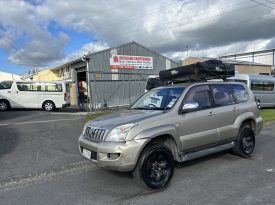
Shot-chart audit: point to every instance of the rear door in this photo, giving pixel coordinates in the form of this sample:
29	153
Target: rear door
226	110
198	128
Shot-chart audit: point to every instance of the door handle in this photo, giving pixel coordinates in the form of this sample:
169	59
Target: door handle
235	109
212	114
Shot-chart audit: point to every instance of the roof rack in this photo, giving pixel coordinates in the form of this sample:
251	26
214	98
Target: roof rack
200	71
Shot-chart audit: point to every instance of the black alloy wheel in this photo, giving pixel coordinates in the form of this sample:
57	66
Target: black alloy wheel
245	142
155	167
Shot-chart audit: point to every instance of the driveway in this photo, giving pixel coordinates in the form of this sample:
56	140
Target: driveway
40	164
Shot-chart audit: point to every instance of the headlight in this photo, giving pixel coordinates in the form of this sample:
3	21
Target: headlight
84	128
120	133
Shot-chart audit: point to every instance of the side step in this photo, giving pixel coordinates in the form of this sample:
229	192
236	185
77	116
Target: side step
205	152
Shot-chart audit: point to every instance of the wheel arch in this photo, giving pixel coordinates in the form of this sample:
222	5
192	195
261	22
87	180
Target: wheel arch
166	139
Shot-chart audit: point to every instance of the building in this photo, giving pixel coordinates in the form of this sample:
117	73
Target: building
111	77
263	56
9	76
240	66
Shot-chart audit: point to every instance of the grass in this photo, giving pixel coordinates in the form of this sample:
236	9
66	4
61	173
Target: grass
96	115
268	114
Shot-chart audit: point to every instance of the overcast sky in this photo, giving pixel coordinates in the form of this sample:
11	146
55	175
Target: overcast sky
45	33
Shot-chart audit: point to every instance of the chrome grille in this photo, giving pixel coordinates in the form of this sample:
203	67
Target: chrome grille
95	134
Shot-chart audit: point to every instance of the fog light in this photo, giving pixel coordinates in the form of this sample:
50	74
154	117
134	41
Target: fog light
113	155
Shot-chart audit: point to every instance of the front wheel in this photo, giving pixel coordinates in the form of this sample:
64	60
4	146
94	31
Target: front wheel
48	106
155	167
245	141
4	105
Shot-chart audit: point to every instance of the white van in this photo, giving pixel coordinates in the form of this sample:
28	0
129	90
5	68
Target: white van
31	94
262	87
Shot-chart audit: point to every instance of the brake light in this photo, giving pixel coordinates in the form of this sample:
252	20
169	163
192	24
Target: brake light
65	96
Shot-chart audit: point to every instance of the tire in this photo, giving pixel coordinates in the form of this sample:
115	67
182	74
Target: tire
48	106
245	142
155	167
4	105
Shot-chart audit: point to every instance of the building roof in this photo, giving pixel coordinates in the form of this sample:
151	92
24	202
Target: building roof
109	49
9	75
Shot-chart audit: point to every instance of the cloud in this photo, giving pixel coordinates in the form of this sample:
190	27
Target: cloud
209	28
25	36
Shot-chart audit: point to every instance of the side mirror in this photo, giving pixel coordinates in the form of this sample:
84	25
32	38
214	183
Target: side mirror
188	107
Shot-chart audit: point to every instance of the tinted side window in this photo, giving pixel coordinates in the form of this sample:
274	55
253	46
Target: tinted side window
262	85
240	93
222	95
199	94
5	85
46	87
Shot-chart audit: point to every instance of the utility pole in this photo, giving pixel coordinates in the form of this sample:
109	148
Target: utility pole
187	49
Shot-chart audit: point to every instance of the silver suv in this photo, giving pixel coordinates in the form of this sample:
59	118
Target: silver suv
173	123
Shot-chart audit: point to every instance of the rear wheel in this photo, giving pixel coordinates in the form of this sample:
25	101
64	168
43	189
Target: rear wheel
48	106
4	105
155	167
245	142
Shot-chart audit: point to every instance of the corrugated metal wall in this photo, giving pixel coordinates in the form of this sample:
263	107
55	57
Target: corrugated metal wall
120	87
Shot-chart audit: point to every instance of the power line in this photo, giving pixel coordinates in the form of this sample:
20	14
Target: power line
270	1
262	4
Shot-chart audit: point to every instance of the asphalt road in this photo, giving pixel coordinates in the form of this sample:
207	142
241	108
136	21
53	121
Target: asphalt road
40	164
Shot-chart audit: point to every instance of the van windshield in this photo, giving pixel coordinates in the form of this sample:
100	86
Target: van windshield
159	99
5	85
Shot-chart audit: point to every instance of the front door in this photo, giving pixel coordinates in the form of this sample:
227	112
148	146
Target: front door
198	128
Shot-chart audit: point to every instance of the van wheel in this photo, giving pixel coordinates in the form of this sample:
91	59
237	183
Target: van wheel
245	141
155	167
48	105
4	105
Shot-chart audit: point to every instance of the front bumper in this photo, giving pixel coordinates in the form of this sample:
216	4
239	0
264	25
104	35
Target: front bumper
127	152
259	125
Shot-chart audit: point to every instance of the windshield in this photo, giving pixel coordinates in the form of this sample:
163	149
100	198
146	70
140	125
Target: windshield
159	99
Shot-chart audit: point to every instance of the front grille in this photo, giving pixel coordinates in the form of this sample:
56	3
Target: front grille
95	134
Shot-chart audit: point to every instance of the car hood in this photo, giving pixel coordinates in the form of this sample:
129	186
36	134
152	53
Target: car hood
123	117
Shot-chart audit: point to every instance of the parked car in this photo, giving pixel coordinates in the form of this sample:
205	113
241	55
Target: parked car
171	123
34	94
262	87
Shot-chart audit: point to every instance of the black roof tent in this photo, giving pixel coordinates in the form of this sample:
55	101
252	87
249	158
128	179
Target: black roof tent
200	71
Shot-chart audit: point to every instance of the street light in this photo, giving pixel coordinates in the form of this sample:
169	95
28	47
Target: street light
86	59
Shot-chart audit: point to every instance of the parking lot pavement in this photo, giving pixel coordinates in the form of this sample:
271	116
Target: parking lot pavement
35	141
62	177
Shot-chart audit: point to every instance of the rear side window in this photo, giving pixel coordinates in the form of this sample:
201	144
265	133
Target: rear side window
42	87
5	85
240	93
262	85
222	95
